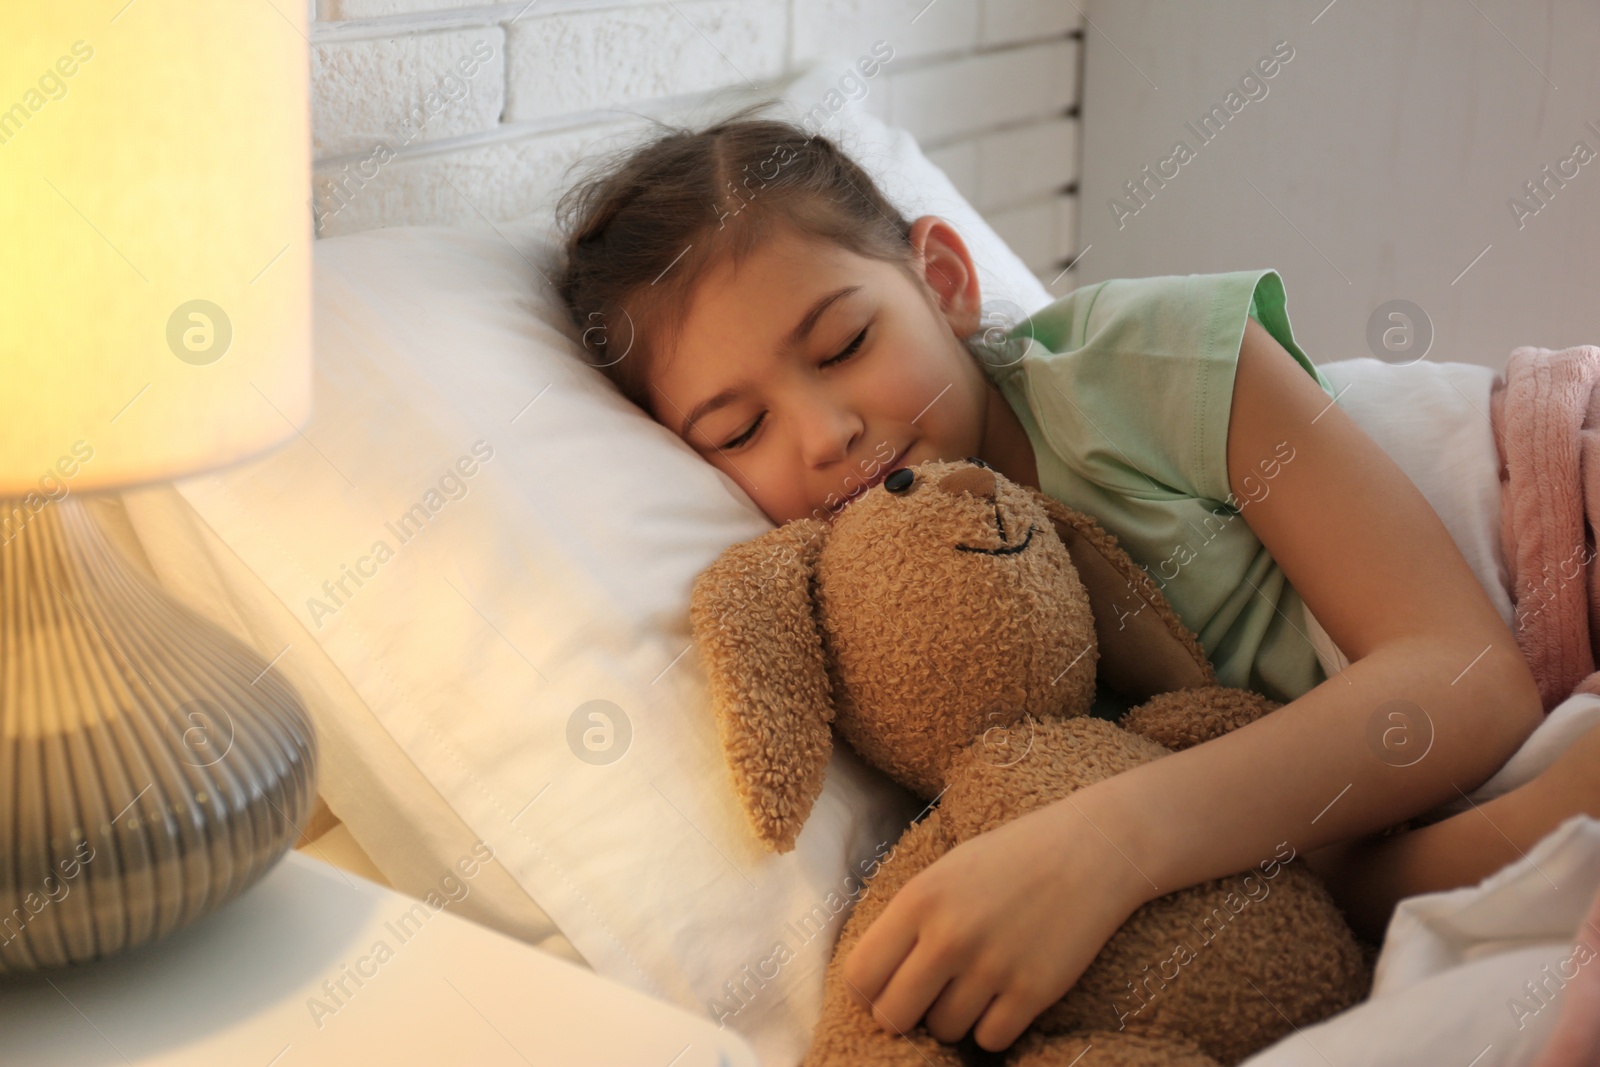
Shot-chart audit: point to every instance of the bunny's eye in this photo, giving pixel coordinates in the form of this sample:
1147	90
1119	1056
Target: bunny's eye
899	480
979	462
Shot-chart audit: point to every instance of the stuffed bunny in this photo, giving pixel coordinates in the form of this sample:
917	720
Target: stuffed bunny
940	610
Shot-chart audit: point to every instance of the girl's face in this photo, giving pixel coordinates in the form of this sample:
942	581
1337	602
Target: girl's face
813	372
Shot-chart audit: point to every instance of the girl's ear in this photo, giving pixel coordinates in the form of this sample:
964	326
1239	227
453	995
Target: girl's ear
755	624
949	271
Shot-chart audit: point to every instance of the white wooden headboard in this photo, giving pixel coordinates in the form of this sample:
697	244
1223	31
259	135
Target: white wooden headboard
441	111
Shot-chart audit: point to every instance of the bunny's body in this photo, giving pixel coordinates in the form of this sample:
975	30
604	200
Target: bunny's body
950	625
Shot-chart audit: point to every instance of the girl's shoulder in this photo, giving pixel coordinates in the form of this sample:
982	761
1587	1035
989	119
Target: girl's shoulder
1171	312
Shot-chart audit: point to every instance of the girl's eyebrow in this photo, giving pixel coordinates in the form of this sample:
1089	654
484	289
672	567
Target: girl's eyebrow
795	339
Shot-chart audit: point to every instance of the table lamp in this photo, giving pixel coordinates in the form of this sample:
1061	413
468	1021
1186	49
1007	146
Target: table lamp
155	253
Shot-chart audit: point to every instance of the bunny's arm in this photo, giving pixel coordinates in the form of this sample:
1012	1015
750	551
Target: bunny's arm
1186	717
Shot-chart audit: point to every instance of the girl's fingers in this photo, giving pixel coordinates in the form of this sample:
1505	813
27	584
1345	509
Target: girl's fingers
958	1007
909	992
1010	1014
880	952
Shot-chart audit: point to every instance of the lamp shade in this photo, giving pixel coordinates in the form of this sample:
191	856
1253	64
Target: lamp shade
155	239
155	246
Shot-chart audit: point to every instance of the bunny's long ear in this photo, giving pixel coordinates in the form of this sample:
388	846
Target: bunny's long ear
755	624
1145	649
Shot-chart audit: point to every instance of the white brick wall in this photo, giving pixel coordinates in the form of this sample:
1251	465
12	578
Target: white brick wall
470	113
585	60
406	90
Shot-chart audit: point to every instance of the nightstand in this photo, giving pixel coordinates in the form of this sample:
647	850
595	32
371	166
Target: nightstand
315	965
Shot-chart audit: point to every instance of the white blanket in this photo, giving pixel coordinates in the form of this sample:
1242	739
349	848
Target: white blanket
1473	977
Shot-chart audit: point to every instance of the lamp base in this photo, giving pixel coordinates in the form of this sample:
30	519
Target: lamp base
152	766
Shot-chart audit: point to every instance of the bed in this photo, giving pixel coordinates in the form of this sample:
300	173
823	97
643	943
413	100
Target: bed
474	565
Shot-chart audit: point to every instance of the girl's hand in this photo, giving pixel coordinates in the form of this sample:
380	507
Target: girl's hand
1000	927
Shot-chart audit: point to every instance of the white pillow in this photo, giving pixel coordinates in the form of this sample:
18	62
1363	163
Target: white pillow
555	533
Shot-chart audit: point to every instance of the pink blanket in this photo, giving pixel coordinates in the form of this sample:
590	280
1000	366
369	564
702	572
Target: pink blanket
1545	411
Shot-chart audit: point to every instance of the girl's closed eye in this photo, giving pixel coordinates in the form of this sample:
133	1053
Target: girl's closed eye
850	350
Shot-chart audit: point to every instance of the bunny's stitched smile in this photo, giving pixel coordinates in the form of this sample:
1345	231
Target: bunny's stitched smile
1004	549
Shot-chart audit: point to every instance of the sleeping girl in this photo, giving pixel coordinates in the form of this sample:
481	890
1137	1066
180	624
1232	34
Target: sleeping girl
750	288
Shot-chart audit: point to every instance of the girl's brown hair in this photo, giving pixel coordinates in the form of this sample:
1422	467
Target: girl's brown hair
648	222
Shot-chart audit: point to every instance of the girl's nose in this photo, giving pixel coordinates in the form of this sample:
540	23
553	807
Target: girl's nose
828	432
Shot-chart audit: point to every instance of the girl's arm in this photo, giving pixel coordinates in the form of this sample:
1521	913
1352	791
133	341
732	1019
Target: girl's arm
1015	915
1368	876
